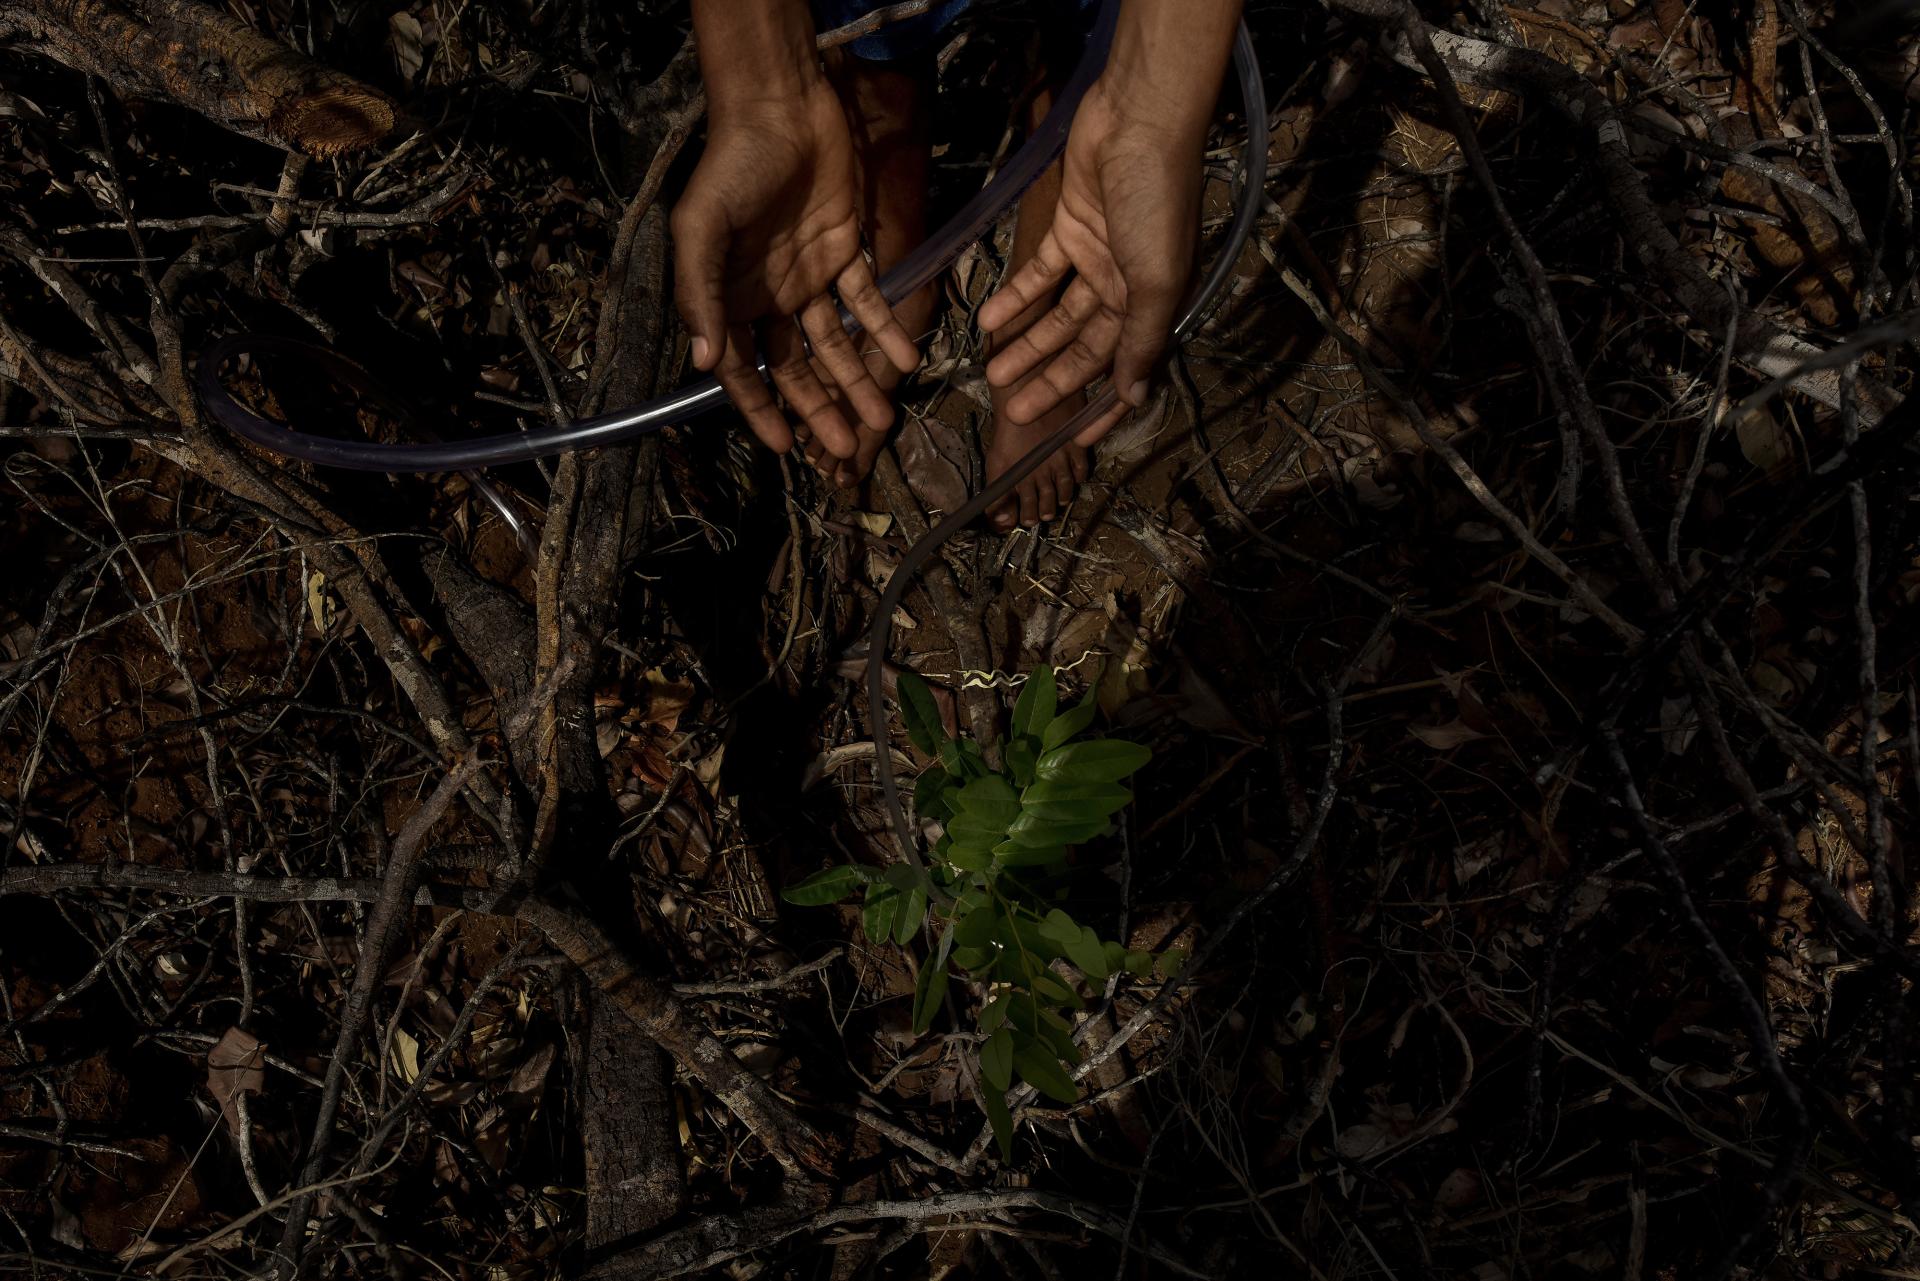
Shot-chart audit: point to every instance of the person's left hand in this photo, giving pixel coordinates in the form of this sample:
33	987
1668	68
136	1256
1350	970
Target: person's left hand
1125	227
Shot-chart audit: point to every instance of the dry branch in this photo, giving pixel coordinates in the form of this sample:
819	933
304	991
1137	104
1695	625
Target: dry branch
197	57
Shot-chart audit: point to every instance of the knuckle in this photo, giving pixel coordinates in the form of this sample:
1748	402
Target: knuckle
859	292
1082	354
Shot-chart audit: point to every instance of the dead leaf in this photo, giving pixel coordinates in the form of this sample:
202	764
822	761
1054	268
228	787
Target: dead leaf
236	1065
319	603
406	1056
1471	860
529	1079
1442	737
930	451
1373	665
490	1138
1677	724
408	40
1457	1191
1763	441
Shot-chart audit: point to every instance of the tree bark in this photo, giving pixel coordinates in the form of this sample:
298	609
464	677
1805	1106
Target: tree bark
193	55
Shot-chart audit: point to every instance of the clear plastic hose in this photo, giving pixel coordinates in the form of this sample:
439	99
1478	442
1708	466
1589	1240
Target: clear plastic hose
922	265
915	270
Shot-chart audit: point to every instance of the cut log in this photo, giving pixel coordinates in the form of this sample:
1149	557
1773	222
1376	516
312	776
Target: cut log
198	57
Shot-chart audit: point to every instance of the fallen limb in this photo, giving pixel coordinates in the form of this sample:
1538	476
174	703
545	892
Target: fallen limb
196	56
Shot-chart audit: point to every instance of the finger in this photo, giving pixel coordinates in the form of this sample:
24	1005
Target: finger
833	469
869	306
834	352
1077	461
1084	359
1038	279
793	375
749	393
1045	336
1151	303
852	473
1029	507
860	466
810	449
699	275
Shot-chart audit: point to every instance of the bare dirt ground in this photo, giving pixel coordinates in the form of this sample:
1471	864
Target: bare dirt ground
1515	581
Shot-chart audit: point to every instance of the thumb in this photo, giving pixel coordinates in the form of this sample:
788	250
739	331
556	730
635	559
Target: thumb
700	238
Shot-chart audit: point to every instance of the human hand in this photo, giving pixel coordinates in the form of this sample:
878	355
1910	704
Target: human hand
1125	227
766	228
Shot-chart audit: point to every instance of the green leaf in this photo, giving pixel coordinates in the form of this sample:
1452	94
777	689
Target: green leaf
881	912
994	1017
962	760
1021	759
945	949
1033	711
1030	940
1102	760
977	928
1043	1072
911	916
1139	964
1048	987
1170	961
1012	855
1068	723
929	795
978	830
928	994
971	858
1086	953
920	713
972	958
1116	956
826	887
1038	833
1059	928
995	1107
1081	801
991	797
1054	1030
904	877
996	1060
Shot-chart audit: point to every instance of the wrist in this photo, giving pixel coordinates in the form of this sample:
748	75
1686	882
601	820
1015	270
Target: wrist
1167	62
1138	112
755	53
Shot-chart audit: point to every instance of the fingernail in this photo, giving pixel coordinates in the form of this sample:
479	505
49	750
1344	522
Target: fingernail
699	350
1137	394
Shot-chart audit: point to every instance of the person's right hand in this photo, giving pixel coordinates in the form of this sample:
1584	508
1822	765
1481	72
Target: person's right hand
765	229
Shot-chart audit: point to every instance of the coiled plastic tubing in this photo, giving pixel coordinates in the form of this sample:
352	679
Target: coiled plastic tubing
973	221
919	267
